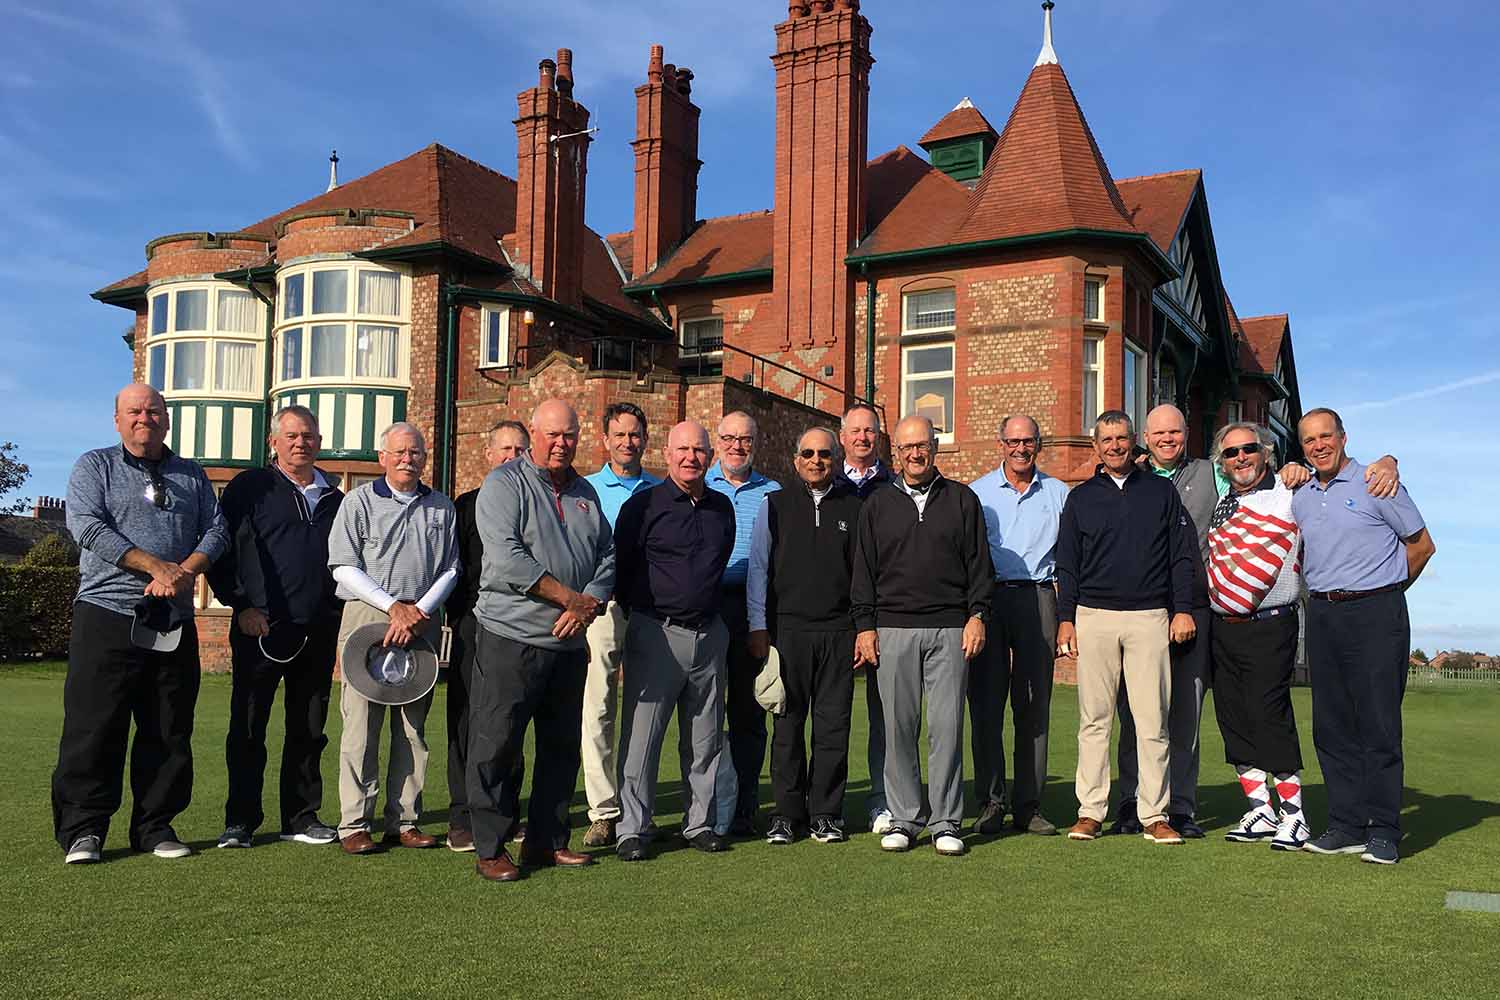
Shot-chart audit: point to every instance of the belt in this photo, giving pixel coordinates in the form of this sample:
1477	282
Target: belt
1023	583
1259	616
1354	595
698	624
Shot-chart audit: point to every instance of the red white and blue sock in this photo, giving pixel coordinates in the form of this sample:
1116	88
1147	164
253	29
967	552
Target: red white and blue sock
1289	791
1253	781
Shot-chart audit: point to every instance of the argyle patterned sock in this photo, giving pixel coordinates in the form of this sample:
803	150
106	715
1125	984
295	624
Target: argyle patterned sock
1253	781
1289	790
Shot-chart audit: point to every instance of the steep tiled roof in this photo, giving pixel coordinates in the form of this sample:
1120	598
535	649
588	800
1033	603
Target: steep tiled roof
912	204
963	121
1157	203
1046	172
136	280
728	244
601	280
1262	343
623	244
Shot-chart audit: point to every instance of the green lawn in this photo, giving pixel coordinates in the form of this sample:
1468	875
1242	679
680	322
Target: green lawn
1020	916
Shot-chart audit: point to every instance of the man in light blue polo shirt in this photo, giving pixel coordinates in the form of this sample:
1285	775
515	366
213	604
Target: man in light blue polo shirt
1022	505
734	476
1359	554
625	439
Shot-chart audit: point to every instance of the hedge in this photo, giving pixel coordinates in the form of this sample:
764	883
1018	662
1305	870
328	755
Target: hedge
36	610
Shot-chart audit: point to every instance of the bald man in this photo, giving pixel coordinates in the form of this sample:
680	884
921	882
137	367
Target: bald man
147	525
674	541
549	566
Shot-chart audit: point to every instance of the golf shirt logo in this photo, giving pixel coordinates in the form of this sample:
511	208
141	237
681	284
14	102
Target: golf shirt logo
843	525
583	505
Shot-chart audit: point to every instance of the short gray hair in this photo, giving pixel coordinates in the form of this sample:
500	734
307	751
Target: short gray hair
1262	434
401	426
295	410
1114	417
838	450
1036	428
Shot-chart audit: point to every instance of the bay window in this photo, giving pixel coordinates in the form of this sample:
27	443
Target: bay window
207	339
360	323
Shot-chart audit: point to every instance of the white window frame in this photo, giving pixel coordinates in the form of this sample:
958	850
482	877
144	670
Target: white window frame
501	357
211	336
1135	363
351	319
1234	412
682	333
950	375
1098	281
1092	373
952	323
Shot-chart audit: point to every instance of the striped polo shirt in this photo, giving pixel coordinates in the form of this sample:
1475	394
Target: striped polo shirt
746	499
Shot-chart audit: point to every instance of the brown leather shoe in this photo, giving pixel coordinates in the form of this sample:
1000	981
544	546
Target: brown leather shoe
1161	832
412	837
560	858
601	833
459	840
1085	829
499	869
359	843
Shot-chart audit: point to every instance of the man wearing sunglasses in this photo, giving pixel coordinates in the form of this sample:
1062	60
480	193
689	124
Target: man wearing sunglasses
275	579
734	475
798	595
920	593
1022	505
147	524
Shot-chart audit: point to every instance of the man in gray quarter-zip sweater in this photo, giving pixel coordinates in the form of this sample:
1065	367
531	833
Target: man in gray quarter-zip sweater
549	568
148	524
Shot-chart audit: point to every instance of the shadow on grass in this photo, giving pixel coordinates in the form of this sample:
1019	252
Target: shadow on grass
1427	819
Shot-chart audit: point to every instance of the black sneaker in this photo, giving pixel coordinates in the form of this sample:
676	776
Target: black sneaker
235	835
826	830
631	849
1336	842
1380	851
85	851
313	833
1126	821
781	831
1183	824
709	842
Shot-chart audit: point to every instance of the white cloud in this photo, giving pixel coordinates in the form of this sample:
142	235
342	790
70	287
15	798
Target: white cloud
1442	389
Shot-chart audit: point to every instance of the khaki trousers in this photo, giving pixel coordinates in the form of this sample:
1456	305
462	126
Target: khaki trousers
606	639
359	748
1134	645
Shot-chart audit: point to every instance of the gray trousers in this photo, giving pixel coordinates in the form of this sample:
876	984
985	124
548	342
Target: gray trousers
1190	677
875	743
914	662
667	669
1016	665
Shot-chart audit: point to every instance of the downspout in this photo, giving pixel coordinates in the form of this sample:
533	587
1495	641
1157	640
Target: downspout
270	350
864	270
666	317
445	421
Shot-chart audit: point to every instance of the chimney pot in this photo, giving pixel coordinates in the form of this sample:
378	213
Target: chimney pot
798	8
684	81
546	74
653	68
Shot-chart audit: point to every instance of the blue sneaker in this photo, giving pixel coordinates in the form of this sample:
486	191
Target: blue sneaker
1380	851
1335	842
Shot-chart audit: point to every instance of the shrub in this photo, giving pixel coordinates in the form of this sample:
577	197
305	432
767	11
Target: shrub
36	610
54	549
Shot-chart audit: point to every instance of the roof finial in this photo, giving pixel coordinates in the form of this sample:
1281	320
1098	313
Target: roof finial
333	171
1048	55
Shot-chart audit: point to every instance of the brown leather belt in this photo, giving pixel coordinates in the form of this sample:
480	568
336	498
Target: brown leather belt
1353	595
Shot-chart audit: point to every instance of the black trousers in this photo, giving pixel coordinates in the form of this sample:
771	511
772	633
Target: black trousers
817	670
1357	653
1016	665
512	684
1253	663
746	719
109	683
461	653
309	678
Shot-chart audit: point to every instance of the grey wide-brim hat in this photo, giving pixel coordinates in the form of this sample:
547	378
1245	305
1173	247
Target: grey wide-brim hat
388	675
769	690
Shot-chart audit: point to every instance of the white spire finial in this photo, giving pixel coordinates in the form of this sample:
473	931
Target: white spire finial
1048	55
965	103
333	171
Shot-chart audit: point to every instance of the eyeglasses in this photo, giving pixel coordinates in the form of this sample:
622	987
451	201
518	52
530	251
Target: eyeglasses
408	453
1014	443
820	452
157	492
743	440
1253	448
917	447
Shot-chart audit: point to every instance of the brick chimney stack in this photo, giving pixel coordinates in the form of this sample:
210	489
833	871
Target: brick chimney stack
50	509
551	170
666	162
822	65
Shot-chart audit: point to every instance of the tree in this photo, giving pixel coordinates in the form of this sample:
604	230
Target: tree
1418	655
12	474
53	549
1460	660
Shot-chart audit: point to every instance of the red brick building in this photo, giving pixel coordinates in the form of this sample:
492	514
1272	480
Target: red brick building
1006	271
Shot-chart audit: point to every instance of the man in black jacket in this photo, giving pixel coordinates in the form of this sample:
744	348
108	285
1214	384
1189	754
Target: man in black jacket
920	592
801	551
506	440
286	621
1126	559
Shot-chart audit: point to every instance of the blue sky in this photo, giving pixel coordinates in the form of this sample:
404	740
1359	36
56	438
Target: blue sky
1349	153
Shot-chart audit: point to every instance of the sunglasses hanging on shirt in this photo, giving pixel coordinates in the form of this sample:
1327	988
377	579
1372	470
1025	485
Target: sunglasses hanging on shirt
157	492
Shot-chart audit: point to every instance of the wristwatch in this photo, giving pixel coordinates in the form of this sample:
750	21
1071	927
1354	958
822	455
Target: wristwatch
982	615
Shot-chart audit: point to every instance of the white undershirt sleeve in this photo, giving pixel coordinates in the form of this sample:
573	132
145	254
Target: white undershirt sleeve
438	592
365	588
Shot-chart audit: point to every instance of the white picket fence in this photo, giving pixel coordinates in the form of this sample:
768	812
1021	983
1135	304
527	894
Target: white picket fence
1424	676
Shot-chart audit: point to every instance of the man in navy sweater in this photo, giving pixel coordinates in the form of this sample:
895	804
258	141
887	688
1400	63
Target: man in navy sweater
286	619
1125	570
